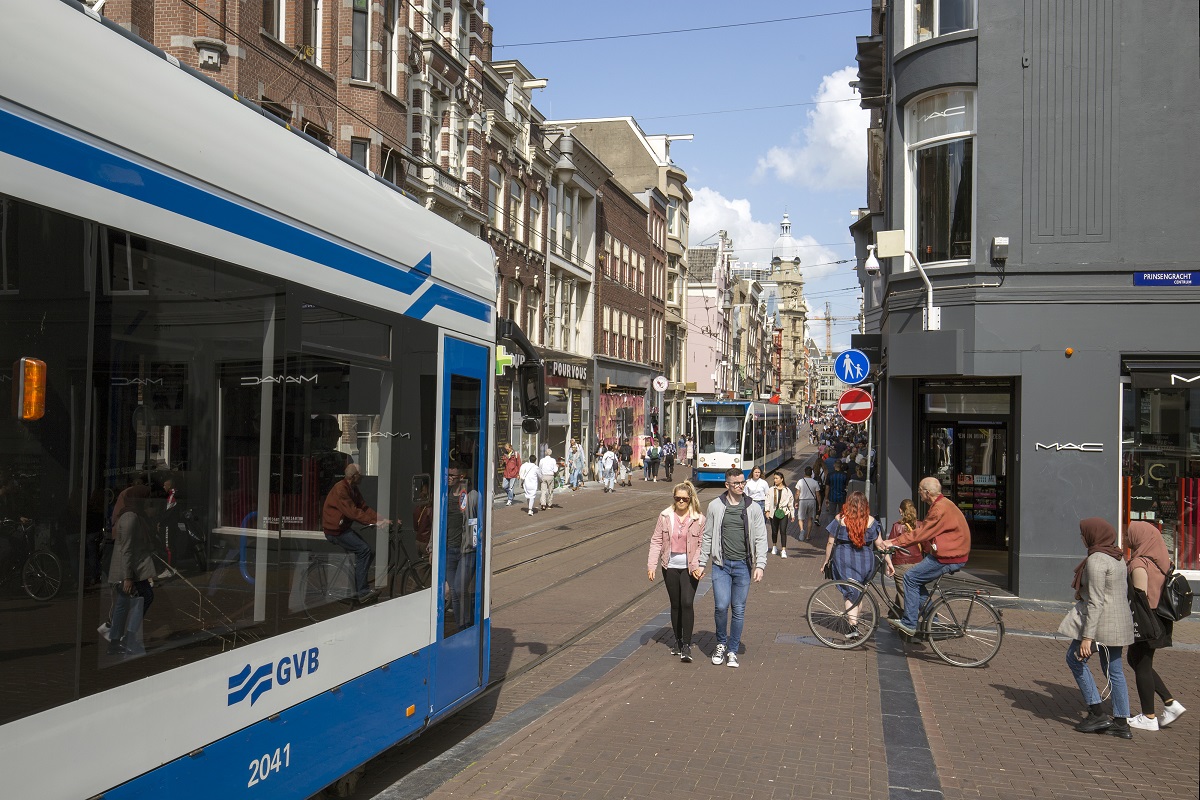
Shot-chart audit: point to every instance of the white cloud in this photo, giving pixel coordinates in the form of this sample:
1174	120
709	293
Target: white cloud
710	211
831	151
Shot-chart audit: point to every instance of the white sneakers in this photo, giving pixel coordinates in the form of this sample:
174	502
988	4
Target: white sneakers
718	655
783	552
731	660
1144	723
1170	714
774	551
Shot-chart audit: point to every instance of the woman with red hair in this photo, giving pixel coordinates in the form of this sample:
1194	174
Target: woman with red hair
852	534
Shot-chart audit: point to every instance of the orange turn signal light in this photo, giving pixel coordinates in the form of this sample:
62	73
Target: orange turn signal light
29	389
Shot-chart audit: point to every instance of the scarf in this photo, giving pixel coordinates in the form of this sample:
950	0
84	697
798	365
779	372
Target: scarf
1149	551
1100	537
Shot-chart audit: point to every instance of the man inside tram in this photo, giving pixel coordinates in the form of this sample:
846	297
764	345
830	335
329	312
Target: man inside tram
345	506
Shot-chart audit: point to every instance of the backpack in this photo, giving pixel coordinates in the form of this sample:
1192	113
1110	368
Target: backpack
1176	600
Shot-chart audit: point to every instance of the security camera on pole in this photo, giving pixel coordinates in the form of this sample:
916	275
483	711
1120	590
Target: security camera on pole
857	405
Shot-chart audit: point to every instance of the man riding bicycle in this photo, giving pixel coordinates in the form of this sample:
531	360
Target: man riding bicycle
946	529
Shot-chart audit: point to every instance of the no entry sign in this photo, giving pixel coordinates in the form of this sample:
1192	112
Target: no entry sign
855	406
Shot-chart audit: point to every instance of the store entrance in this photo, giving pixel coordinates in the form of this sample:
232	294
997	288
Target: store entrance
970	458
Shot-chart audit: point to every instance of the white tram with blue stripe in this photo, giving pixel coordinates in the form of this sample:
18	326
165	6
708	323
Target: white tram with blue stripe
226	313
741	434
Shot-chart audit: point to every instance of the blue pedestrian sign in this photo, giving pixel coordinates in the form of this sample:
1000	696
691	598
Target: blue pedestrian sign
851	367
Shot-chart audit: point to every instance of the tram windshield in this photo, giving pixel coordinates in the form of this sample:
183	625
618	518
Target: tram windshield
720	434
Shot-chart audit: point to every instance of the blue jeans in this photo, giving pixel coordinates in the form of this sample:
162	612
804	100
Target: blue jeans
460	576
915	594
731	587
509	485
576	476
1110	662
122	605
364	557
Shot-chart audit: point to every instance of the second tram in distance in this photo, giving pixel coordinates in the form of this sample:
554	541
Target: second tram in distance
741	434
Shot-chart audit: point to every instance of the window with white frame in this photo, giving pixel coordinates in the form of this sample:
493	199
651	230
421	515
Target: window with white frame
514	300
554	194
360	38
495	190
673	217
272	12
516	198
931	18
391	43
568	222
941	150
531	324
605	345
310	31
535	221
360	150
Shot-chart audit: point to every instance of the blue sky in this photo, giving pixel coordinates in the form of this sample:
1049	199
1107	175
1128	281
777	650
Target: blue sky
745	167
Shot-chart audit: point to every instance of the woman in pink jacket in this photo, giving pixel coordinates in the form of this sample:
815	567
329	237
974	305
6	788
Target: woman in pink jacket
675	546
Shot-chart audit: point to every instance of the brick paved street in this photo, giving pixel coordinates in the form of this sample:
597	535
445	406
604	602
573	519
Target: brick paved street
800	720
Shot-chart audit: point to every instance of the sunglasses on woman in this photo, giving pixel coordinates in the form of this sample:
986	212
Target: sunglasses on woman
682	499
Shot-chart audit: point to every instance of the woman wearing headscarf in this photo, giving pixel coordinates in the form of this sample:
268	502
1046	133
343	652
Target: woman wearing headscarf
1100	621
675	546
1148	566
850	547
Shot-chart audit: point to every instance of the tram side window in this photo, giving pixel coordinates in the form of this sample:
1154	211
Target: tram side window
44	308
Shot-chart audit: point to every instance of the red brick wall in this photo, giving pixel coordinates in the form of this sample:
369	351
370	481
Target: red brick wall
624	218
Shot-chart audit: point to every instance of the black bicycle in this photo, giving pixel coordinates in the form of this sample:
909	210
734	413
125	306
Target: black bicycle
40	569
329	583
962	627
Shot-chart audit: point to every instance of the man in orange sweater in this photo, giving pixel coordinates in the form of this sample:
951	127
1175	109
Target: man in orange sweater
945	528
344	506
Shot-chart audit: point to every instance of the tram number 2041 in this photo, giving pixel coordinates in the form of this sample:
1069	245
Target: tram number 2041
261	768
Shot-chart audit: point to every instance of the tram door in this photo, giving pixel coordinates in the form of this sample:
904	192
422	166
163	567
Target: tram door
459	665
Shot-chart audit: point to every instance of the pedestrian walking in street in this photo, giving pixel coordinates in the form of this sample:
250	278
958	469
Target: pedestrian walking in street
852	534
575	461
510	462
838	481
668	459
901	561
675	546
735	536
1148	566
808	494
1100	621
681	450
549	469
531	479
608	470
756	490
625	452
781	510
653	456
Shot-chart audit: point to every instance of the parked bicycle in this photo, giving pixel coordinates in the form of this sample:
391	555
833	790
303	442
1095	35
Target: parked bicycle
329	577
40	569
960	624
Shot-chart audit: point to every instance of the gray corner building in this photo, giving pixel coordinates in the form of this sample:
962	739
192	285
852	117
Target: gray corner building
1037	158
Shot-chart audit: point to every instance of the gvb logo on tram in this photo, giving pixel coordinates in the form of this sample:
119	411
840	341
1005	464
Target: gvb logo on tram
254	682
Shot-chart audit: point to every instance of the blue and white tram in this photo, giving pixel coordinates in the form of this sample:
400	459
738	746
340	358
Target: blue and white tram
211	317
740	434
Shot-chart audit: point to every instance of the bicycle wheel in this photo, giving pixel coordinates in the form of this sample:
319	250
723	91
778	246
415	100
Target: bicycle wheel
326	587
416	577
964	631
42	575
834	624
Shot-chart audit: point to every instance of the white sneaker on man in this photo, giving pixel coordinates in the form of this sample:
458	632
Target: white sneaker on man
1170	714
731	660
718	655
1144	723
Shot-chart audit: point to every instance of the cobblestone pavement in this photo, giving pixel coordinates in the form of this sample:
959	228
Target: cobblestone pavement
617	717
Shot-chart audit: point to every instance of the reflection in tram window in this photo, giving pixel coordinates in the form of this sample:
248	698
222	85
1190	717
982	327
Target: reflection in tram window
464	523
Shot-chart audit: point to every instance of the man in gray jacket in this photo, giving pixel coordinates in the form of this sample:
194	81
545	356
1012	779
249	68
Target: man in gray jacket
735	534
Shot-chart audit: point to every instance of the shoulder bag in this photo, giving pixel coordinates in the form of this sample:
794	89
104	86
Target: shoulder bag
1147	627
1176	600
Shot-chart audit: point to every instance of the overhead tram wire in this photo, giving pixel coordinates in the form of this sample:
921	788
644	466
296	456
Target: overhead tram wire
682	30
764	108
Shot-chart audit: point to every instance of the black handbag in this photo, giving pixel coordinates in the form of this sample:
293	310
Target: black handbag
1147	627
1176	600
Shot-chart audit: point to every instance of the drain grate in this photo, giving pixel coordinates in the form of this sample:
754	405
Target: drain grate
795	638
